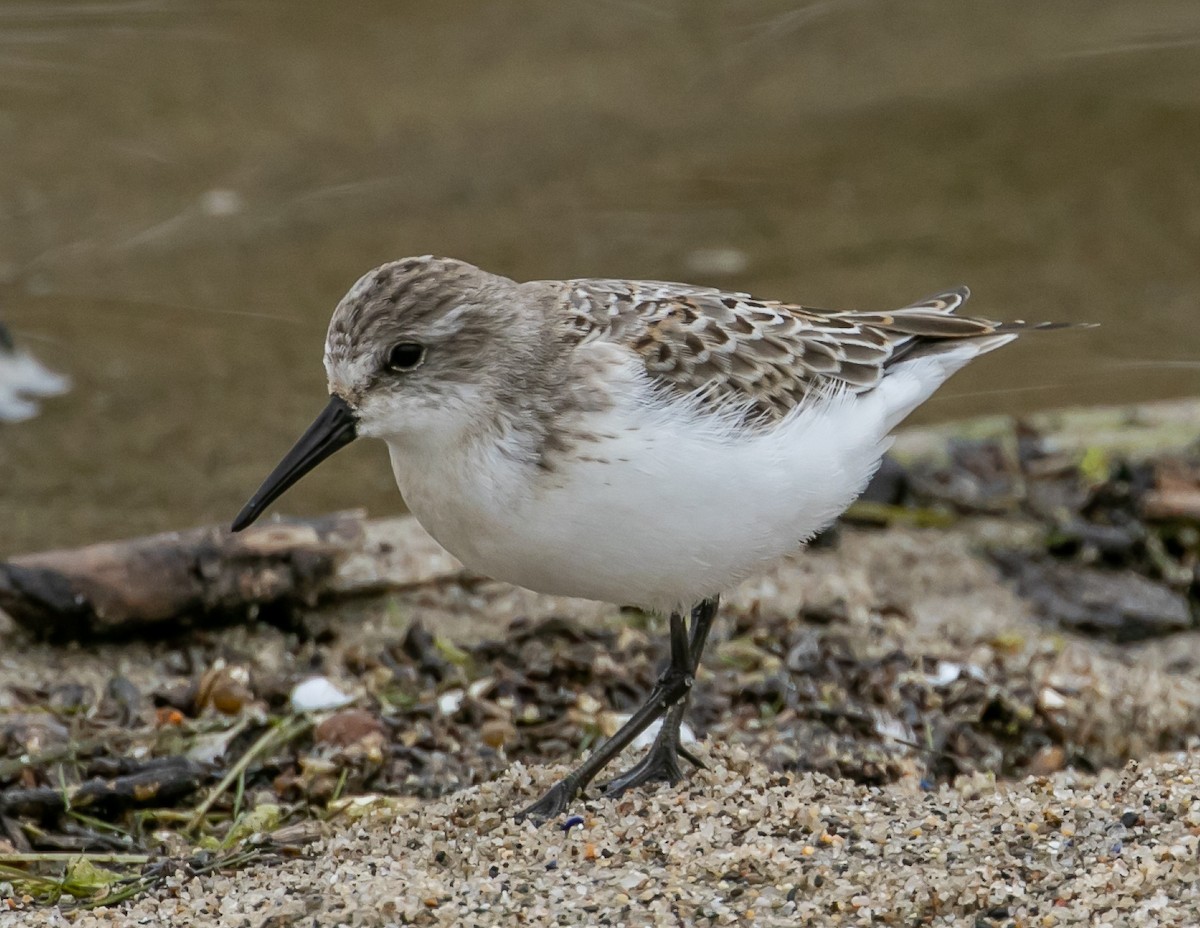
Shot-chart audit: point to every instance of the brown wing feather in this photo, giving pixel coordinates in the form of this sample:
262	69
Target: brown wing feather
765	356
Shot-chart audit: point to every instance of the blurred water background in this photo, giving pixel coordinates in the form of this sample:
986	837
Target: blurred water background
186	189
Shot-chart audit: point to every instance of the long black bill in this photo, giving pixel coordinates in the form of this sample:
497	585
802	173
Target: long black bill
335	428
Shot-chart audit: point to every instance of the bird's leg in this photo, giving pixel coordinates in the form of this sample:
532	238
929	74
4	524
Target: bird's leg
669	690
662	760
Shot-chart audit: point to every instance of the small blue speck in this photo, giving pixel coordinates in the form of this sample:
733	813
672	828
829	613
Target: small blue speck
571	822
1115	849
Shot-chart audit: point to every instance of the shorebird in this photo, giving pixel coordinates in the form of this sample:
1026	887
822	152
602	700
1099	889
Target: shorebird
637	442
23	379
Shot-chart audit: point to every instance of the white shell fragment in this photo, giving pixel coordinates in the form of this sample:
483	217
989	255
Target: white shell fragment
450	701
945	674
316	694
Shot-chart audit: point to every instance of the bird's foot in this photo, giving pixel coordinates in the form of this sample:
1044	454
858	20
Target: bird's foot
553	804
660	765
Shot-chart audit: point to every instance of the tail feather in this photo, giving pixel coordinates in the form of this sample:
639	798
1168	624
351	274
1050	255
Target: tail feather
945	302
1020	325
933	328
930	343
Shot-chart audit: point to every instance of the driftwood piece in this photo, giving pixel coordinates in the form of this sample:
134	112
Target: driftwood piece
209	575
1136	432
159	782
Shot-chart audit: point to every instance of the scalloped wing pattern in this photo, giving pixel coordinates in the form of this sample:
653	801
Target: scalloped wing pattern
764	356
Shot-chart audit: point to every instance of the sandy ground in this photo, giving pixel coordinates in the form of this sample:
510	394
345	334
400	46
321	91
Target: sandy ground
739	843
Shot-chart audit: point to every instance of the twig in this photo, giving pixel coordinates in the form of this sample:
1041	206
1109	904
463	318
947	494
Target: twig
54	857
159	781
11	766
272	738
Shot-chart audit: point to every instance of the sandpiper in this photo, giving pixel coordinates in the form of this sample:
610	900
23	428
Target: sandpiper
637	442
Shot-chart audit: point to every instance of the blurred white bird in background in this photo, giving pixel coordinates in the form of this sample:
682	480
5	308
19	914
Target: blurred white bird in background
24	379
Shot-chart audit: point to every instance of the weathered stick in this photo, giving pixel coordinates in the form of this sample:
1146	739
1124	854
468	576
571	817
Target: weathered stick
160	782
208	575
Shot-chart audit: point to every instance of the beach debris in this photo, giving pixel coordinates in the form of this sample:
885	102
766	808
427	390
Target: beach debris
207	576
1120	605
317	694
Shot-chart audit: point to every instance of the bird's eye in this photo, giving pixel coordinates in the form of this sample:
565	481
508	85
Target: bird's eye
406	356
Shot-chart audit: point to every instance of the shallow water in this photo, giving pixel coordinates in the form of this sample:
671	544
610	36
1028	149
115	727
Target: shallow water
186	190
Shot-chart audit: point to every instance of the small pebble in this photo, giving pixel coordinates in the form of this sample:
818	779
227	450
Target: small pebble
450	701
318	693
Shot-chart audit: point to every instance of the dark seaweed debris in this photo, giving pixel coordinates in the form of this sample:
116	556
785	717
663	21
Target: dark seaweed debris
79	772
1120	556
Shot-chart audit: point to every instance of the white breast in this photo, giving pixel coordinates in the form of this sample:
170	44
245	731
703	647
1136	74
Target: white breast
671	506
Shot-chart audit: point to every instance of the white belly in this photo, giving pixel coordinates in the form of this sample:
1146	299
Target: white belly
673	508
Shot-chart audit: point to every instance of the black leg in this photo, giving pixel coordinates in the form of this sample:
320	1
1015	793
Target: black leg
667	698
668	689
661	762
